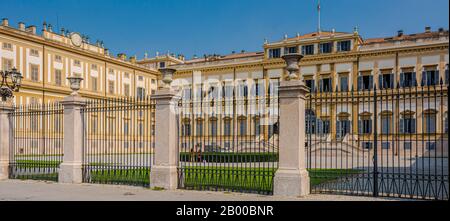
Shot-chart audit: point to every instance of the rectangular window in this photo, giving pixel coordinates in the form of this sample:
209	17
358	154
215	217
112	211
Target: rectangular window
430	123
76	63
407	125
111	87
7	46
186	131
275	53
257	127
111	71
243	90
367	145
126	90
162	64
186	94
34	73
325	85
7	64
199	128
386	124
307	49
407	145
228	91
242	127
126	75
140	93
310	83
94	67
325	47
34	52
213	128
365	82
58	58
408	79
431	145
290	50
141	78
386	81
385	145
227	128
344	45
94	83
365	126
58	77
430	78
343	83
126	127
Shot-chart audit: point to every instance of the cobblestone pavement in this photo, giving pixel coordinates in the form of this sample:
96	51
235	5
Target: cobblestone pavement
21	190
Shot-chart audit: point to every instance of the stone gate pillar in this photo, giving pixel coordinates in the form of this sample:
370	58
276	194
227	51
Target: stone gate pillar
70	170
164	172
5	138
291	178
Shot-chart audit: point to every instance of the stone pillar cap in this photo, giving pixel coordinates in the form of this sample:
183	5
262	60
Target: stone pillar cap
73	100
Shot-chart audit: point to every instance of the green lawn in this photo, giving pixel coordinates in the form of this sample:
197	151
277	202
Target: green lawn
194	177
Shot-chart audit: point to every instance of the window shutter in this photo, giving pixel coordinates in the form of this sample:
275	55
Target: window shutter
392	80
321	85
360	128
414	79
402	126
313	85
413	125
360	83
402	79
370	82
370	126
424	78
436	77
380	82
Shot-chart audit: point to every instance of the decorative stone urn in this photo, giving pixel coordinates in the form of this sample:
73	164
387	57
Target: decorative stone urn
75	84
167	76
292	65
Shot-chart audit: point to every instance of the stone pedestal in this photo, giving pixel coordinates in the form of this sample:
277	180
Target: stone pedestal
5	138
70	170
291	178
164	170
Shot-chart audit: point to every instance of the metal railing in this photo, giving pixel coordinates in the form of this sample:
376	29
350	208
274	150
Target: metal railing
380	142
118	141
228	144
37	135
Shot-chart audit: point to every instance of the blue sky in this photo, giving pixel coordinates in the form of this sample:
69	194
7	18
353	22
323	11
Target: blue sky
221	26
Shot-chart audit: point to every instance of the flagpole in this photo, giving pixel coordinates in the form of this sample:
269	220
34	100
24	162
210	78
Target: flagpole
318	9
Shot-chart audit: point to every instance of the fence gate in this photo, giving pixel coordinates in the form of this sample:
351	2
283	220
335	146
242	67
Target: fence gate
37	141
379	142
118	141
228	142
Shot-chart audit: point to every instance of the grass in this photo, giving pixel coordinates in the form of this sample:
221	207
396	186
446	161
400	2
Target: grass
194	177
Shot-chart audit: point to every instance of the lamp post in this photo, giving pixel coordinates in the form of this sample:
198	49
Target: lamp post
292	65
75	84
167	74
10	82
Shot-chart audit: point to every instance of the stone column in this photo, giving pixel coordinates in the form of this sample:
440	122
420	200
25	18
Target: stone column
70	169
5	138
164	170
291	178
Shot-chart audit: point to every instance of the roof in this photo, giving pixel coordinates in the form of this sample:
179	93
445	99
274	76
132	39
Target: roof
316	34
410	37
225	57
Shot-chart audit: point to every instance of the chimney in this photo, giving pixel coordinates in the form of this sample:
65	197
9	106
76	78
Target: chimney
122	56
133	59
5	22
400	33
21	26
427	29
31	29
441	29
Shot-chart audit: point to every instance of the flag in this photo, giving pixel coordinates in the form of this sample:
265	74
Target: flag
318	6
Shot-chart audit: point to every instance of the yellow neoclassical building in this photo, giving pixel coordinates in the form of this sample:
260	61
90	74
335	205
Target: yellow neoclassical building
47	59
334	63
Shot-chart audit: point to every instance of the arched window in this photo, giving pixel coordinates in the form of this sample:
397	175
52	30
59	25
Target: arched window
407	122
365	123
343	124
310	121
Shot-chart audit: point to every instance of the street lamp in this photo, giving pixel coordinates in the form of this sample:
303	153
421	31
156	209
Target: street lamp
11	82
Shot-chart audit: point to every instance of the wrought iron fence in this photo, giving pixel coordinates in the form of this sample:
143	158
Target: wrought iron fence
118	141
36	141
379	142
228	143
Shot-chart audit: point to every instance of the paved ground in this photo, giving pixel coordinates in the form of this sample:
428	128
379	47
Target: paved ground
19	190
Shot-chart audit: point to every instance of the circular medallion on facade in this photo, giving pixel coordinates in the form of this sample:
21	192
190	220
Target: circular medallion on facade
76	39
